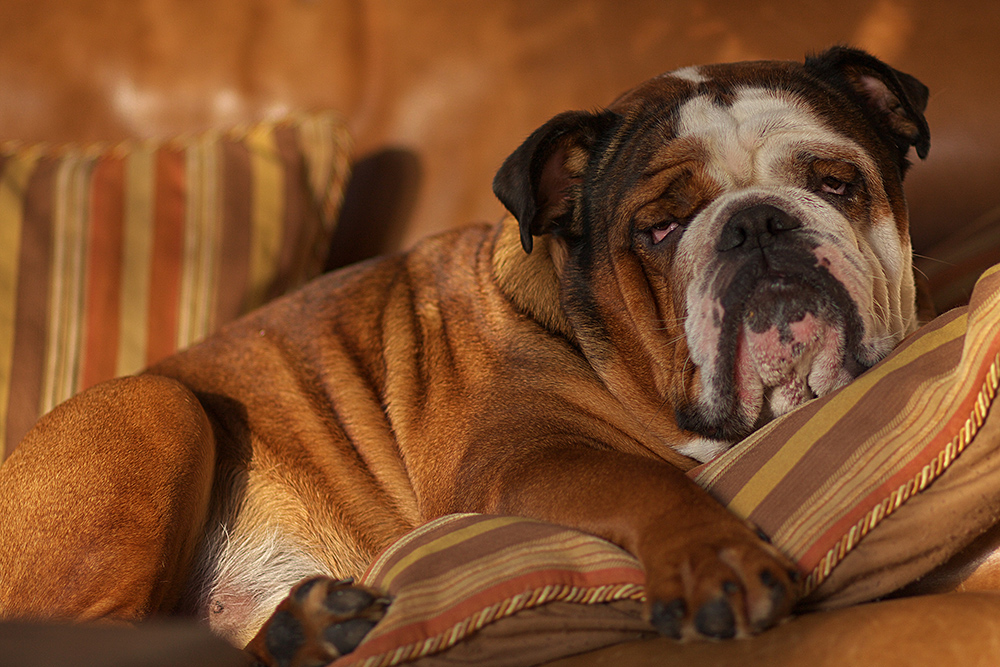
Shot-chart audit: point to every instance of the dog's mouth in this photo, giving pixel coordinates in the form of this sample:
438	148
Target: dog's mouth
791	344
783	337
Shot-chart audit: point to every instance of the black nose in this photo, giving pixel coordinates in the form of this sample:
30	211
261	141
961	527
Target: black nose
755	227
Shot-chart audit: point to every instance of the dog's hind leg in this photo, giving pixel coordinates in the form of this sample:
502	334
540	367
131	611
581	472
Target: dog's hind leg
103	504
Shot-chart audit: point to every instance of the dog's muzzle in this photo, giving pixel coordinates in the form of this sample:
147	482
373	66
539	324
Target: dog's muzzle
784	329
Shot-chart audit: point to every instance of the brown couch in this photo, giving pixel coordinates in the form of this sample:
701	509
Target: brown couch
437	92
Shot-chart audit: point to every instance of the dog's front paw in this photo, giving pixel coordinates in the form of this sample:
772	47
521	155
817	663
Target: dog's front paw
720	585
320	620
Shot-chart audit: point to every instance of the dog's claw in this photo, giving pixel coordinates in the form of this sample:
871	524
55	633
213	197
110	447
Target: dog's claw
321	619
347	601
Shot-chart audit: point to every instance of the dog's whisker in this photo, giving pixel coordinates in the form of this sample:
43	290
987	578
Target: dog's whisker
934	259
921	272
649	422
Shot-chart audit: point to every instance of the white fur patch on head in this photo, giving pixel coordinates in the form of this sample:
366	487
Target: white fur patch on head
760	126
691	74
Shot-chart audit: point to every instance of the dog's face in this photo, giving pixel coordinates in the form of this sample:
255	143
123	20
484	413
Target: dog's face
732	240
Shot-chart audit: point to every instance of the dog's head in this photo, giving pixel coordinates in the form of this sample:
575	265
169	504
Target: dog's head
730	240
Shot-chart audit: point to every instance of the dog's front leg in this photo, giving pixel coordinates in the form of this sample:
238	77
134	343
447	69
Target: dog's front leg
708	573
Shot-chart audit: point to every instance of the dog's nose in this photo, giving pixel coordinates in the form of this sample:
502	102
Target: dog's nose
755	227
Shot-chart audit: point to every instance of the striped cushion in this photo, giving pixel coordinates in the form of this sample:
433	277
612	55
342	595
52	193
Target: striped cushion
819	480
113	257
452	577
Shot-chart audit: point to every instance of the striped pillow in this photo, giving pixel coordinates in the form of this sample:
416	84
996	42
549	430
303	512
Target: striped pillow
456	575
819	481
111	258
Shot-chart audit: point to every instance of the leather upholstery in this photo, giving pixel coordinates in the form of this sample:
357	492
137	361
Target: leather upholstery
438	92
956	629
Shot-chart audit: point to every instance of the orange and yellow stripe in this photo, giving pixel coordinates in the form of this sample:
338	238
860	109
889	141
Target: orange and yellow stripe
112	258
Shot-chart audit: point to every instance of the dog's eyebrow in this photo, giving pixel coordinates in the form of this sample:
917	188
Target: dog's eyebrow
654	118
653	172
678	153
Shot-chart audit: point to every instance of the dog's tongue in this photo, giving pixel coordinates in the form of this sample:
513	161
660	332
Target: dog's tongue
792	362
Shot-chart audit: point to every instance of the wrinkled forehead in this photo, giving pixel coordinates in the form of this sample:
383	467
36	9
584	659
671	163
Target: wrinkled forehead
745	117
719	82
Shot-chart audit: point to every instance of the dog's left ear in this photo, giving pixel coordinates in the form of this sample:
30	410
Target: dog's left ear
538	182
894	101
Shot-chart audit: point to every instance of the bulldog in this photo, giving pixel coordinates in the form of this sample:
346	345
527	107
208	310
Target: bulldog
718	246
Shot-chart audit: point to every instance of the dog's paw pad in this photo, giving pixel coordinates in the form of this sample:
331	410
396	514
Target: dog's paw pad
716	619
777	590
719	587
348	601
668	617
320	620
284	635
346	636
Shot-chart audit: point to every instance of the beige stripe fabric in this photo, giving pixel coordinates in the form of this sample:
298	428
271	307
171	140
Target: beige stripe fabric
327	153
13	182
66	304
268	212
136	256
387	573
202	236
452	576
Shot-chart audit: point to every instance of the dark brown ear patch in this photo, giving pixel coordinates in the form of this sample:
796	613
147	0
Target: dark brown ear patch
894	101
897	115
538	182
557	186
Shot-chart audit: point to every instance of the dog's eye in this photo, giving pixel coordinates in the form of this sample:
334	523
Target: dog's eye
833	186
834	177
662	230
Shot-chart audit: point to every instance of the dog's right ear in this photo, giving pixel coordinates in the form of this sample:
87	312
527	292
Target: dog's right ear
539	182
893	100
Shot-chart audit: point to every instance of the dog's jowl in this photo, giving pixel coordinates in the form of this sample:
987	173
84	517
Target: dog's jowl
716	247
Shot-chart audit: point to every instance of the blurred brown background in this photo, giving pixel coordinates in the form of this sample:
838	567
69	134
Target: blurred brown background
438	92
